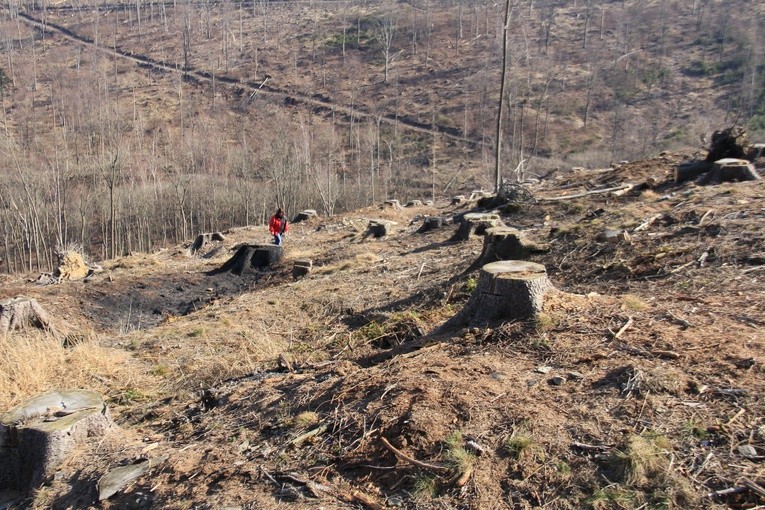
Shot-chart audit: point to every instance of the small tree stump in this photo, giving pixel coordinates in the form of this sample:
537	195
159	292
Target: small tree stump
476	224
251	256
690	170
479	193
19	312
203	240
414	203
393	204
304	216
301	268
505	243
433	223
459	199
38	435
378	228
509	289
729	170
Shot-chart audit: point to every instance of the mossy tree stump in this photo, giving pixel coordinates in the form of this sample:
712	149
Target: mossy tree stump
508	289
505	243
36	436
250	257
20	312
476	224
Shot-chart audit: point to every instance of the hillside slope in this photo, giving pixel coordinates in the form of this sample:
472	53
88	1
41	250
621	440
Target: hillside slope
634	388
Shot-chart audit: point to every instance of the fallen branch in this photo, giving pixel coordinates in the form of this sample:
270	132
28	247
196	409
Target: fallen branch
311	433
727	492
647	223
590	447
623	329
754	487
585	194
402	456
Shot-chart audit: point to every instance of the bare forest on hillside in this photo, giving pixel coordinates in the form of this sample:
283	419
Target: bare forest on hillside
128	126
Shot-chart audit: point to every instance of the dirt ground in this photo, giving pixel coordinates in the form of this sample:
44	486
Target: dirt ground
636	387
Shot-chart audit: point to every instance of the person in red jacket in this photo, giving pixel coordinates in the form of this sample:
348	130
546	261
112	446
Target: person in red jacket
278	226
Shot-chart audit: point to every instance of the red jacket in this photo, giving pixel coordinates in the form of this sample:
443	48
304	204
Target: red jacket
277	224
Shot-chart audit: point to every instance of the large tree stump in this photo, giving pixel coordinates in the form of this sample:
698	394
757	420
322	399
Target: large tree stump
20	312
301	268
509	289
203	240
378	228
691	170
476	224
251	256
38	435
505	243
433	223
729	170
393	204
304	216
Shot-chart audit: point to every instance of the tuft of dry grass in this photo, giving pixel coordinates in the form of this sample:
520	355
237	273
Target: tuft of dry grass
32	362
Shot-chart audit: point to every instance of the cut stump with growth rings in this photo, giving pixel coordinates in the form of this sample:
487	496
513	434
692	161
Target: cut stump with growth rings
476	224
505	243
250	257
508	289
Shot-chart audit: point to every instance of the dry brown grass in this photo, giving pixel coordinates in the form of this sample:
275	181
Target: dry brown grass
32	362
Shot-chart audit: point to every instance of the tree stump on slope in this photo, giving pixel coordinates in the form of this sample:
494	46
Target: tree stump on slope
432	223
729	170
203	240
38	435
378	228
17	313
476	224
304	216
505	243
251	256
509	289
301	268
393	204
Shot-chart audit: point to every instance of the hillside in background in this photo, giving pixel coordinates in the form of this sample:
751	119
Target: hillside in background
128	126
638	384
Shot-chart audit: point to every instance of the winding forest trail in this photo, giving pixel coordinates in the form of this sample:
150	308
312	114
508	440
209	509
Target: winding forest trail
317	103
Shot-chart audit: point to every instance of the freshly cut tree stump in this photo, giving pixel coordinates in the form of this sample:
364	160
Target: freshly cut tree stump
393	204
251	256
690	170
509	289
38	435
414	203
505	243
459	199
729	170
301	268
304	216
433	223
476	224
203	240
19	312
378	228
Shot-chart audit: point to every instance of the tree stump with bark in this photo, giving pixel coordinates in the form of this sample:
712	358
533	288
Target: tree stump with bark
459	199
301	268
433	223
509	289
414	203
476	224
306	215
203	240
20	312
36	436
251	257
729	170
378	228
505	243
393	204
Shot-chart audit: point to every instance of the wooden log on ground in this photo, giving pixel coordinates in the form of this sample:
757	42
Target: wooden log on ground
729	170
509	289
301	268
505	243
250	257
203	240
306	215
36	436
476	224
691	170
20	312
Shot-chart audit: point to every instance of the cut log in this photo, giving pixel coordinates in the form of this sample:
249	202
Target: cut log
505	243
690	170
432	223
38	435
476	224
510	289
20	312
729	170
203	240
306	215
301	268
250	257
